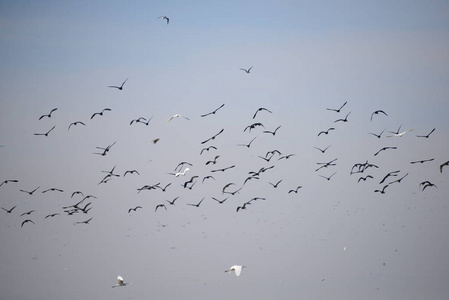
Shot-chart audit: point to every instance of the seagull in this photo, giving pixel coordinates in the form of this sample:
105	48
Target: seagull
26	221
397	131
252	126
381	191
84	222
207	149
51	215
189	181
76	123
49	115
181	164
105	150
426	184
247	145
164	188
377	135
243	206
213	112
286	156
134	209
399	180
365	178
400	134
394	173
118	87
131	172
220	201
377	112
120	282
208	177
9	180
443	165
275	185
30	193
223	169
180	173
422	161
327	131
160	205
177	116
337	110
53	190
8	211
46	134
139	120
246	70
322	150
235	268
164	18
214	161
383	149
343	120
261	109
295	190
172	202
212	138
328	178
427	136
100	113
77	192
272	132
197	205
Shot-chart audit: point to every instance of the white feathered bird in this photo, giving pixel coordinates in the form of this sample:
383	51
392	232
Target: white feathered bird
235	268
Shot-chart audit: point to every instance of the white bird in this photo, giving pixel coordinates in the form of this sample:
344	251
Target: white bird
177	116
400	134
180	173
236	268
120	282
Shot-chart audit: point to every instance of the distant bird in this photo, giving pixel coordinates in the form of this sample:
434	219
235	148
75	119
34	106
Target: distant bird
189	181
247	70
156	140
51	215
275	185
286	156
139	120
343	120
160	205
427	136
208	177
8	211
53	190
377	135
27	221
252	126
394	173
46	134
247	145
214	161
120	282
197	205
49	115
236	269
295	190
9	180
212	138
326	164
400	134
207	149
100	113
165	18
328	178
213	112
243	206
134	209
398	180
365	178
443	165
28	212
30	193
131	172
180	173
261	109
172	202
422	161
337	110
272	132
76	123
119	87
181	164
326	132
323	150
382	191
220	201
378	112
223	169
177	116
426	184
164	188
77	192
383	149
84	222
397	131
105	150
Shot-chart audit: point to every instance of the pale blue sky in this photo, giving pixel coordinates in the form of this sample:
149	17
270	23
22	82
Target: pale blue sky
306	56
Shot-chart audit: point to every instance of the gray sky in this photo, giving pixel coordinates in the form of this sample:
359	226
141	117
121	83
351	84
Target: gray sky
334	239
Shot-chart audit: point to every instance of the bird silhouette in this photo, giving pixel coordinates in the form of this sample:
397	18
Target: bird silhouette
223	169
8	211
391	174
443	165
27	221
83	222
7	181
134	209
326	131
214	161
400	134
365	178
247	70
131	172
272	132
207	149
422	161
164	188
343	120
382	191
213	112
426	136
259	110
173	201
49	115
165	18
398	180
53	190
378	112
211	138
377	135
76	123
286	156
197	205
100	113
337	110
30	193
159	206
119	87
383	149
220	201
51	215
276	184
208	177
252	126
76	193
328	178
45	134
247	145
323	150
295	190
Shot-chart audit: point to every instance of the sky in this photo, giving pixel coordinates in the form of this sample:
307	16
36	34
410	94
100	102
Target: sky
336	237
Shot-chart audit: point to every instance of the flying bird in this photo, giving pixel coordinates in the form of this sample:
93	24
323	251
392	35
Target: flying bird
160	205
207	149
119	87
328	178
180	173
261	109
49	115
164	188
382	191
51	215
246	70
208	177
383	149
295	190
443	165
275	185
378	112
214	161
394	173
323	150
427	136
27	221
247	145
223	169
76	123
326	132
400	134
181	164
398	180
286	156
134	209
252	126
83	222
8	211
220	201
131	172
120	282
236	269
337	110
9	180
177	116
426	184
365	178
272	132
30	193
377	135
212	138
213	112
197	205
343	120
172	202
165	18
100	113
28	212
77	192
46	134
422	161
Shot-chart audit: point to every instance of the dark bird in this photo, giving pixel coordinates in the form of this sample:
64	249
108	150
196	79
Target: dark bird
53	190
156	140
100	113
247	145
207	177
164	18
9	210
220	201
226	186
105	150
422	161
337	110
139	120
181	165
51	215
391	174
426	184
83	222
272	132
223	169
30	193
197	205
250	178
286	156
49	115
28	212
191	186
328	178
131	172
111	173
189	181
214	161
275	185
164	188
252	126
343	120
118	87
172	202
397	131
232	193
383	149
322	150
26	221
76	123
382	191
207	149
246	70
243	206
377	135
260	109
365	178
399	180
77	192
326	132
295	190
46	134
426	136
326	164
267	159
212	138
378	112
9	180
134	209
443	165
213	112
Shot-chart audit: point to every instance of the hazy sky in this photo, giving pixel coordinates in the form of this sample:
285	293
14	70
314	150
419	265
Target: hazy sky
335	238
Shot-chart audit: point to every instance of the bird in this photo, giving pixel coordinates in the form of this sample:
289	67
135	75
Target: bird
397	131
427	136
223	169
343	120
49	115
326	164
247	70
252	126
208	177
131	172
160	205
377	135
382	191
272	132
383	149
286	156
100	113
172	202
77	192
164	188
212	138
119	87
8	180
207	149
220	201
134	209
326	132
426	184
30	193
165	18
422	161
365	178
400	134
83	222
243	206
214	161
236	269
181	164
139	120
45	134
120	282
197	205
261	109
177	116
213	112
337	110
443	165
76	123
323	150
51	215
8	211
180	173
27	221
398	180
295	190
377	112
276	184
53	190
247	145
189	181
328	178
394	173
